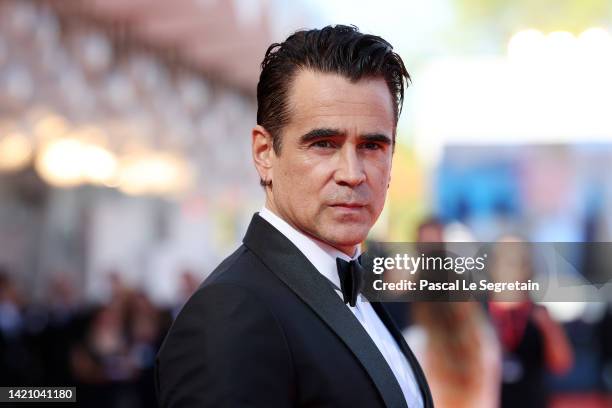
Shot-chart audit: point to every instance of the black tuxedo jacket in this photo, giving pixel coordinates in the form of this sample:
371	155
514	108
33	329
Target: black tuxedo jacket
266	329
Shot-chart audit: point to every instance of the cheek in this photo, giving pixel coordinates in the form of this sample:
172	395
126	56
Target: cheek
302	183
310	176
380	177
380	174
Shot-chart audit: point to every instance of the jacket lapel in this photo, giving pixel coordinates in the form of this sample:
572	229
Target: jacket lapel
399	339
292	267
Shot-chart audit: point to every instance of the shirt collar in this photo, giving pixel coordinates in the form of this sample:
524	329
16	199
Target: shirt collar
321	255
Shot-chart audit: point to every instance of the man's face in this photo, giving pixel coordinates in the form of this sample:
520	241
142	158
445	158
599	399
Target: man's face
331	176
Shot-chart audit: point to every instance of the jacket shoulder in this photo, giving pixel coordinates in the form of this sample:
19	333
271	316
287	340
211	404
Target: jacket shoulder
225	348
245	269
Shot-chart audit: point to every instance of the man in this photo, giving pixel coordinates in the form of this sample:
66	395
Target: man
268	327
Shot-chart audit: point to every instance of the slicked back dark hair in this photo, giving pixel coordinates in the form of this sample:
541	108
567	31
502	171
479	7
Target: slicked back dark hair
336	49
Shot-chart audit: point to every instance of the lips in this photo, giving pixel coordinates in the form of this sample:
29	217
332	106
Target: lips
348	205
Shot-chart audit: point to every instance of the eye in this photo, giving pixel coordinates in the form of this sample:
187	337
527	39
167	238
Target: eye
324	144
371	146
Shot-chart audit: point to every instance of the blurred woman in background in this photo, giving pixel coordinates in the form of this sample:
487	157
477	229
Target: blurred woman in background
453	341
459	353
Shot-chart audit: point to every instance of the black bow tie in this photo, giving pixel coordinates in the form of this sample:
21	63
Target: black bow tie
351	275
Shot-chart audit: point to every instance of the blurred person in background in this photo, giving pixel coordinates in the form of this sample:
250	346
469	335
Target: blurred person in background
454	341
431	232
36	336
14	359
280	323
11	319
605	332
100	360
533	343
63	308
459	352
146	328
21	362
113	360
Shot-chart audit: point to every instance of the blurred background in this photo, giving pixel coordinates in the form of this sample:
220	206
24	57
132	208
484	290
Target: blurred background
126	175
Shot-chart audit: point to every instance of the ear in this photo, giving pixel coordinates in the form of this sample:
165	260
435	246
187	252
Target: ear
263	152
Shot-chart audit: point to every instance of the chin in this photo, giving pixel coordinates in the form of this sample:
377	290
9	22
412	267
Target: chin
350	236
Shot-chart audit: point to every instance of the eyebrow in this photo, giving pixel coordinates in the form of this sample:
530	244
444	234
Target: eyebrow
319	133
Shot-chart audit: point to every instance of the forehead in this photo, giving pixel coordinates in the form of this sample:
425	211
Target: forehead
324	99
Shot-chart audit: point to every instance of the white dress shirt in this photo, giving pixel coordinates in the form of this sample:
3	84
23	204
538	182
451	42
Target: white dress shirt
323	257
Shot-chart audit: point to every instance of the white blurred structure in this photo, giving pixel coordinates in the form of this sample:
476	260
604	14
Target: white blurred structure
549	88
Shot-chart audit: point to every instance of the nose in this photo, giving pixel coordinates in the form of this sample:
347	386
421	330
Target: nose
350	171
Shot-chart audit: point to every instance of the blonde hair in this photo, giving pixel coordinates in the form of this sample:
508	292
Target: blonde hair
453	344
